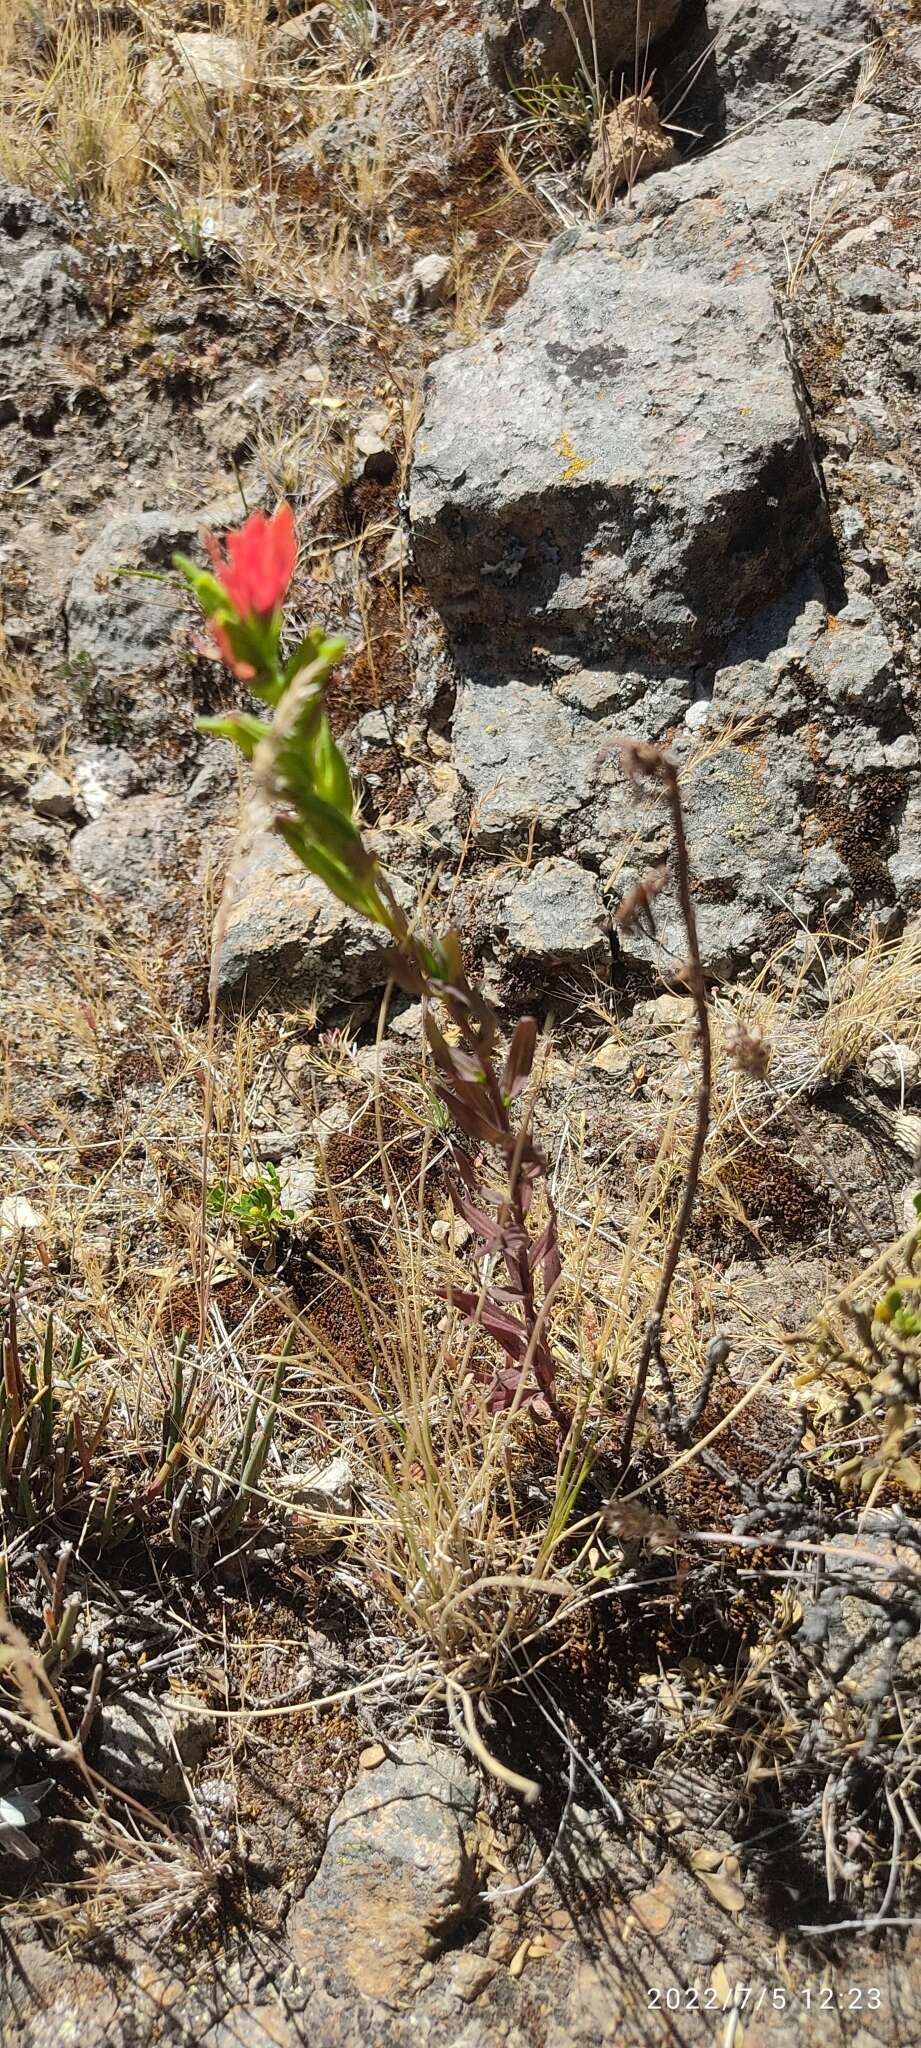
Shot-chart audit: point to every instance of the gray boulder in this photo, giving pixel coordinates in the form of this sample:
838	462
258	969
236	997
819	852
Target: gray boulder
532	39
146	1746
138	853
626	464
126	624
51	796
285	940
787	56
554	917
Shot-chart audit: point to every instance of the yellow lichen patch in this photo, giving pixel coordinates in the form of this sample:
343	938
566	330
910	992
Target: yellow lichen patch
574	465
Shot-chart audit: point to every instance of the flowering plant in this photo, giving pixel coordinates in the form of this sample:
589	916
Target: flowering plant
304	779
299	769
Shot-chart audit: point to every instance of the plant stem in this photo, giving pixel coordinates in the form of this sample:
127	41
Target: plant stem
667	774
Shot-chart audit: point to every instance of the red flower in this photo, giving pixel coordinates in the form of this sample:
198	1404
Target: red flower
258	563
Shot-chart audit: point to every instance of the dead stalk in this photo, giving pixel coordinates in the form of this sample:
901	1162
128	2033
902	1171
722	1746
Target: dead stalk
651	761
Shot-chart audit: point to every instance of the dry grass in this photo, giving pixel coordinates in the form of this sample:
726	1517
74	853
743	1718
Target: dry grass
255	170
70	111
478	1546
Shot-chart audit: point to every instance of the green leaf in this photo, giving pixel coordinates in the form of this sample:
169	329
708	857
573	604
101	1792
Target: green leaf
334	782
355	890
210	593
317	651
241	727
305	653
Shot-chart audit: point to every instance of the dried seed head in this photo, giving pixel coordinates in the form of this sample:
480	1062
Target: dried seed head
748	1049
640	758
636	906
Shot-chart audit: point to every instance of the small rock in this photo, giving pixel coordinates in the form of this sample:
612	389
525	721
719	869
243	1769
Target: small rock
103	775
600	692
854	662
16	1214
51	796
555	917
853	525
378	461
611	1058
319	1489
431	281
349	141
896	1068
406	1025
136	853
275	1145
666	1011
398	1876
470	1975
146	1745
872	289
217	775
36	838
298	1183
212	63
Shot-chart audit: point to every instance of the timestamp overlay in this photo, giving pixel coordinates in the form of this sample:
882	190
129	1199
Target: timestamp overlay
734	2006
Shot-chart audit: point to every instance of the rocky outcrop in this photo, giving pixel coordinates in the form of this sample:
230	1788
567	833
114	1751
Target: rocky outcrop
787	56
536	39
626	465
283	939
126	623
41	289
618	507
794	755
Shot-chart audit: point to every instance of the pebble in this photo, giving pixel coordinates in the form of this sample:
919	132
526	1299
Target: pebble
894	1067
51	796
432	279
377	460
